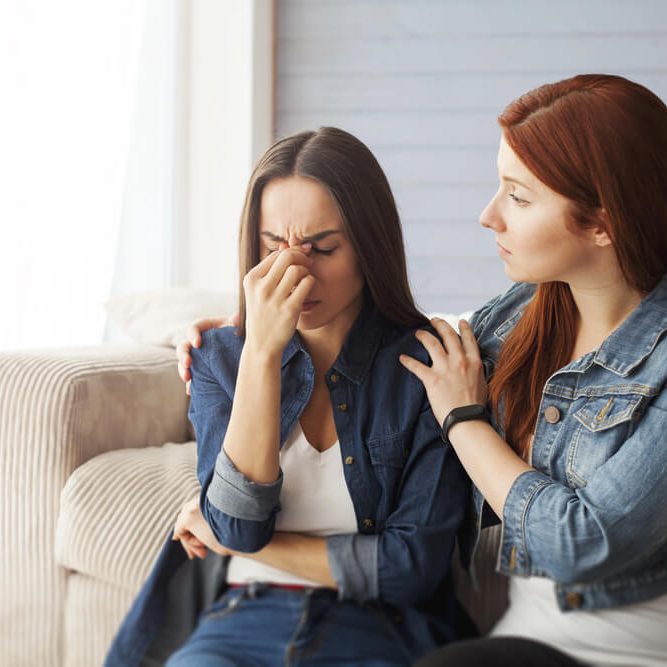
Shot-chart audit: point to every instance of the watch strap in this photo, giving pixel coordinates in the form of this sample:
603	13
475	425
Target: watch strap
462	414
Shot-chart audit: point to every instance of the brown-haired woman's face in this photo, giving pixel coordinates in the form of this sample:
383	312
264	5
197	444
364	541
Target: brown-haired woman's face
300	213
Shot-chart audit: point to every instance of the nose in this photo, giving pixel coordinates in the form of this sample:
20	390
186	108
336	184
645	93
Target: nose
295	242
491	217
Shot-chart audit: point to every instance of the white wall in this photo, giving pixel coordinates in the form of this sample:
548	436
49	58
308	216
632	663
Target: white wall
421	82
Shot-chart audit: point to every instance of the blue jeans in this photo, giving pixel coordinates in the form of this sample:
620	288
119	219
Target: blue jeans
260	626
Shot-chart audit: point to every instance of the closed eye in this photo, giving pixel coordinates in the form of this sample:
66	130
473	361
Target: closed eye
321	251
517	200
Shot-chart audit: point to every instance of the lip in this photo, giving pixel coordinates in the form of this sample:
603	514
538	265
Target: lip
308	306
502	249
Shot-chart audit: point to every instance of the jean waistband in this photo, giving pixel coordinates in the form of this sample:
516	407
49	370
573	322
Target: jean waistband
256	588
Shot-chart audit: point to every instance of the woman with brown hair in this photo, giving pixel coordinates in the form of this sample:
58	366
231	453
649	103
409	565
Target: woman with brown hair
329	506
571	454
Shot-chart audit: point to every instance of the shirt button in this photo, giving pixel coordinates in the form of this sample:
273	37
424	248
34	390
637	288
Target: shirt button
574	600
334	378
349	460
368	523
552	414
342	407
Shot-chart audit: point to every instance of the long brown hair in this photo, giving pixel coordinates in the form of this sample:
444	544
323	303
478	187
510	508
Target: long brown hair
600	141
358	186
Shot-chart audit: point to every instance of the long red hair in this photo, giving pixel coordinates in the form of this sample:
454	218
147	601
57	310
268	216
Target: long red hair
600	141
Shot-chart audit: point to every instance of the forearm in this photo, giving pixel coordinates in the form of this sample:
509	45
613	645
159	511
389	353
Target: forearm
252	440
302	555
490	462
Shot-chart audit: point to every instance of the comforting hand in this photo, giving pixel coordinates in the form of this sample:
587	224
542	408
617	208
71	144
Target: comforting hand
456	377
275	290
195	534
193	339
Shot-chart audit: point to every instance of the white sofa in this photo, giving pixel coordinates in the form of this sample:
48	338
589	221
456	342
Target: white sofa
97	456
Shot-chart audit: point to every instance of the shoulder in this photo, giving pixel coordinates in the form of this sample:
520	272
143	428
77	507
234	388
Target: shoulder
398	340
218	355
500	309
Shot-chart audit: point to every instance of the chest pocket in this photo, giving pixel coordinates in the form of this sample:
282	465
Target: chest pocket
606	422
388	455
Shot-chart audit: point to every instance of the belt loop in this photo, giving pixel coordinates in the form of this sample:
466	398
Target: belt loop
255	589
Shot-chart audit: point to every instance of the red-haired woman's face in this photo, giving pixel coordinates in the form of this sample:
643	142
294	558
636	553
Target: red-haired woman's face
530	221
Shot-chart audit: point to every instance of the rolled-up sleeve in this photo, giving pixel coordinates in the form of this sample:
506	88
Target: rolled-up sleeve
240	512
584	534
353	560
231	492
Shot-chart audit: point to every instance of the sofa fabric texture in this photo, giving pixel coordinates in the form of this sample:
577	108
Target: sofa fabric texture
58	409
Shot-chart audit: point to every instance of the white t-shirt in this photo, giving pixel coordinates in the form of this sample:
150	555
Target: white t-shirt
632	635
314	499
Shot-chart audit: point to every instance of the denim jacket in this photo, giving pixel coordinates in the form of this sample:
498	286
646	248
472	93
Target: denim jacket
409	491
591	515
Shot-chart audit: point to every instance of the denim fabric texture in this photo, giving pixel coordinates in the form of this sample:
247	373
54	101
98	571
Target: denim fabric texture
267	626
409	491
591	515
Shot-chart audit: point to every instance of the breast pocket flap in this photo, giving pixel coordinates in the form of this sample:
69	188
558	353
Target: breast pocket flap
388	451
603	412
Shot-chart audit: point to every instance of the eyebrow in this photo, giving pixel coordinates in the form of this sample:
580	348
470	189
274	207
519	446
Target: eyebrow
306	239
509	179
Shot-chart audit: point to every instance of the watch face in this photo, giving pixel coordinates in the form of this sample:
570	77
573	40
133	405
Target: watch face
471	412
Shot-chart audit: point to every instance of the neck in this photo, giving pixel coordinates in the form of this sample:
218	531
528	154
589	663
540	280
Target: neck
604	305
325	343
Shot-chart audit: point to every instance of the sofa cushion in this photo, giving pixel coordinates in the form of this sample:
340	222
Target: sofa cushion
117	509
161	317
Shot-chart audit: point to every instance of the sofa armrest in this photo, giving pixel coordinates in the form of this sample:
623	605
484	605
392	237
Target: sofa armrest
58	409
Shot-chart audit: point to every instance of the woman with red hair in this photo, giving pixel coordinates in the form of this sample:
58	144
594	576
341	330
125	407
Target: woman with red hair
566	445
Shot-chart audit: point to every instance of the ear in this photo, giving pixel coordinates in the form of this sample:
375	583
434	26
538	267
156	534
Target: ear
600	232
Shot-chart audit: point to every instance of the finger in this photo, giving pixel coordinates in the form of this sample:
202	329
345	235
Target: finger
470	346
293	275
287	258
434	346
301	291
415	367
235	319
183	372
193	339
194	330
264	266
450	339
200	553
183	349
187	388
186	548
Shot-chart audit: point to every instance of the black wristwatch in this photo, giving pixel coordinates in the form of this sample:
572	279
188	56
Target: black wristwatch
463	414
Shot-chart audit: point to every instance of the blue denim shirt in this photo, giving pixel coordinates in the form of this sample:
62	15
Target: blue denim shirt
409	491
591	515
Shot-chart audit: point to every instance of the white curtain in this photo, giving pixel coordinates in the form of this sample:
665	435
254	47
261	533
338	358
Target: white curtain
88	130
156	168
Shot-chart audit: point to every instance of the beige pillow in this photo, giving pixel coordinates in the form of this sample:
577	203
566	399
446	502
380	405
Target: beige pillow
117	509
161	317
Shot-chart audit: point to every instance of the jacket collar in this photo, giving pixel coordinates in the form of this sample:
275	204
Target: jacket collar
628	345
360	346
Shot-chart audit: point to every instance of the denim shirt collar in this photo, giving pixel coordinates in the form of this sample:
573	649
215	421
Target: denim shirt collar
628	345
360	346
